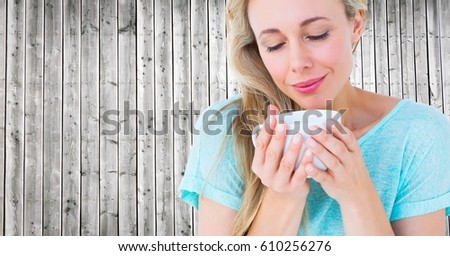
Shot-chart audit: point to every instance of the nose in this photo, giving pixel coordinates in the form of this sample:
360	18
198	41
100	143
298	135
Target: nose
300	57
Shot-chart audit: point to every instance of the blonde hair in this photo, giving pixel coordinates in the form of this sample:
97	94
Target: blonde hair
258	89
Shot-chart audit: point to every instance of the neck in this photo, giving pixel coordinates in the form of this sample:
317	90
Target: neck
351	100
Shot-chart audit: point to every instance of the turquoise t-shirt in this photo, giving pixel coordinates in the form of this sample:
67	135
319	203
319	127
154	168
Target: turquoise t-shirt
407	154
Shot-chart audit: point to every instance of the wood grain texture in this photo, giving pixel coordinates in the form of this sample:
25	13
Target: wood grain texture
146	104
90	173
217	49
444	14
53	76
14	138
434	56
109	124
71	170
407	49
182	114
128	118
199	53
420	51
368	52
163	120
199	69
381	48
356	77
3	65
34	77
394	48
52	117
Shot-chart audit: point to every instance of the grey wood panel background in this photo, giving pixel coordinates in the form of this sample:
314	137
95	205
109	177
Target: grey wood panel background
67	65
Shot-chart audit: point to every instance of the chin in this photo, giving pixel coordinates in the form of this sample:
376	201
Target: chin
313	102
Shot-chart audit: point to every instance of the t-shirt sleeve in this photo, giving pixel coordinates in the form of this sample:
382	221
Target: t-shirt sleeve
425	183
211	167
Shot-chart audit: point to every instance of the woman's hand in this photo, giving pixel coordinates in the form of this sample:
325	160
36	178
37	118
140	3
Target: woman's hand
346	179
275	170
348	182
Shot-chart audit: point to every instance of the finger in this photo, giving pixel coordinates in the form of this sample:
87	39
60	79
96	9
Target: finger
347	137
289	159
275	150
300	174
334	145
322	177
273	111
262	142
328	159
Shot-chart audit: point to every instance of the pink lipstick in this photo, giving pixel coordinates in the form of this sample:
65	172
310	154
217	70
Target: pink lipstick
308	86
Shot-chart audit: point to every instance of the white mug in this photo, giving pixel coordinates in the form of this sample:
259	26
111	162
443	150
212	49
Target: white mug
303	122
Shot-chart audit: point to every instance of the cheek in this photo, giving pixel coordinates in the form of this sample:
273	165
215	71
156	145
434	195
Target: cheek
278	67
338	55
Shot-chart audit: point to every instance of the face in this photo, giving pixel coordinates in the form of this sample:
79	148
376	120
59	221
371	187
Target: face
306	46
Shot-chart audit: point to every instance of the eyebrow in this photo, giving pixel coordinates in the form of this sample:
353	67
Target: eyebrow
304	23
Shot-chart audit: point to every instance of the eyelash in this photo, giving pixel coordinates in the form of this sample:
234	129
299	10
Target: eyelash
319	37
274	48
312	38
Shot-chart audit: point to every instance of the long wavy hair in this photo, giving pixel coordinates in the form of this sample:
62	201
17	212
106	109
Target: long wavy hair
258	90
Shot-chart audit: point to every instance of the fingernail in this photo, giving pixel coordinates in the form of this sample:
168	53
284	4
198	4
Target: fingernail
311	142
308	153
309	169
315	130
280	128
296	138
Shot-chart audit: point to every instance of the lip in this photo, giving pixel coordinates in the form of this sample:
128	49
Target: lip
309	86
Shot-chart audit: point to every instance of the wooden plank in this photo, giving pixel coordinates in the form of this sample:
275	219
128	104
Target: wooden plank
444	7
90	173
52	117
33	117
381	48
232	82
109	221
182	133
199	55
434	57
217	51
420	46
15	119
3	110
368	53
127	105
356	76
199	44
163	122
71	120
394	48
146	138
407	48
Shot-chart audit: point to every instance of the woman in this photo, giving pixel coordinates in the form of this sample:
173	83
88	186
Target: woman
388	173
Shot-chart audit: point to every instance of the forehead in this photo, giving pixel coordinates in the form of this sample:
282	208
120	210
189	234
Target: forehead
265	14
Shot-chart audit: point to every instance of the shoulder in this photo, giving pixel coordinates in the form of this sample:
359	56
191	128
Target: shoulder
423	133
422	120
219	115
410	129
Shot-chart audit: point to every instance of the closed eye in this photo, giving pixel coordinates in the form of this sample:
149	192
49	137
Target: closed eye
274	48
319	37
